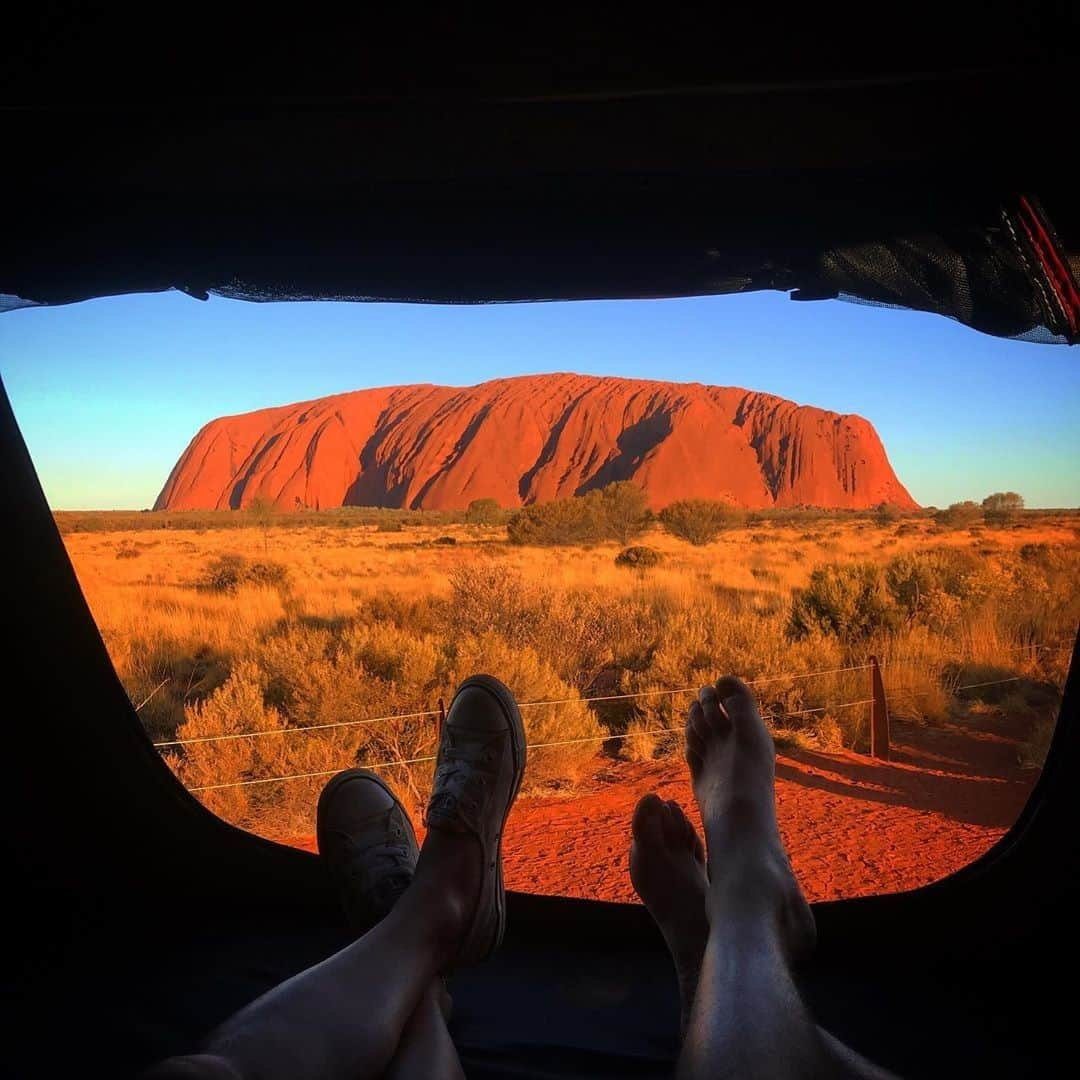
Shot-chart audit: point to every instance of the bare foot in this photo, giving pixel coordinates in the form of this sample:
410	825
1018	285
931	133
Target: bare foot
732	768
667	868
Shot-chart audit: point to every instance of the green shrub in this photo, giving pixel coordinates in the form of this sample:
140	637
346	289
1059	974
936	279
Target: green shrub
228	572
1046	557
484	512
638	558
958	515
886	513
623	511
564	521
699	521
532	679
1001	507
849	600
616	512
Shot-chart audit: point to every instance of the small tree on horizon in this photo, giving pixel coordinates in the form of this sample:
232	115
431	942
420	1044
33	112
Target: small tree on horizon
624	509
699	521
959	514
261	511
885	513
484	512
1002	506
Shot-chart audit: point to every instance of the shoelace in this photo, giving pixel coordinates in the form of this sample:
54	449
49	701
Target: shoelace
460	786
381	860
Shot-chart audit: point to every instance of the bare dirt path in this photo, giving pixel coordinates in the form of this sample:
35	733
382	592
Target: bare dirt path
853	825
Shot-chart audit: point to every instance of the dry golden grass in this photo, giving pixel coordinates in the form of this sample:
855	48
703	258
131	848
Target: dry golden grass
378	623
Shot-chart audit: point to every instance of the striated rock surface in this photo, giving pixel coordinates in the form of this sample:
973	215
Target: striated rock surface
531	439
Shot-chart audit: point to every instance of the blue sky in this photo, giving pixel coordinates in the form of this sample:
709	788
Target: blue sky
108	393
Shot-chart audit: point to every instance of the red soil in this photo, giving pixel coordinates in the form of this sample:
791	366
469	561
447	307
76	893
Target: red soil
532	439
853	826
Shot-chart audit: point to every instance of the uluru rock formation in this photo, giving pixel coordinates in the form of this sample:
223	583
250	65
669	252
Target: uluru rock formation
531	439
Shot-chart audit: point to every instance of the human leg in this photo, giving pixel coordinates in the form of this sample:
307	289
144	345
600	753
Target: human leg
743	1016
346	1016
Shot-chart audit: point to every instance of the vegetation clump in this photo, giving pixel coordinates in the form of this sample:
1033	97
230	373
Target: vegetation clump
699	521
484	512
229	572
959	515
638	557
618	512
1002	507
370	632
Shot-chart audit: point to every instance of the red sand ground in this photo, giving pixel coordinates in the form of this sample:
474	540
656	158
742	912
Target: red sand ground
852	825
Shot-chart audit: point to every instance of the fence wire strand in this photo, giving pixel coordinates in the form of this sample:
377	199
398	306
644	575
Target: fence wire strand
663	731
792	677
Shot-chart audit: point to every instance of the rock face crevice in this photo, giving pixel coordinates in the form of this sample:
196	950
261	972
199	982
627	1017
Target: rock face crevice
531	439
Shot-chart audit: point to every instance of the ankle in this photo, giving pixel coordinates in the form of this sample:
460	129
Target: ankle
442	909
752	888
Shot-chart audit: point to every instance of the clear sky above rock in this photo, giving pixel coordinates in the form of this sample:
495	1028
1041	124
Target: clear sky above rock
108	393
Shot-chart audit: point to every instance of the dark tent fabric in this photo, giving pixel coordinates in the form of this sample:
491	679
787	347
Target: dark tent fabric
1004	272
766	157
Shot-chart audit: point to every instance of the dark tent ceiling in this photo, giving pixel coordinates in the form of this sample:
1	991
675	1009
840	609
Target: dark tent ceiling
566	159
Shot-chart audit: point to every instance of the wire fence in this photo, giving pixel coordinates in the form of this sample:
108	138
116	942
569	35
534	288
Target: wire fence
659	732
521	705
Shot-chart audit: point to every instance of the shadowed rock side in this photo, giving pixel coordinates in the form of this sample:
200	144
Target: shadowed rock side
531	439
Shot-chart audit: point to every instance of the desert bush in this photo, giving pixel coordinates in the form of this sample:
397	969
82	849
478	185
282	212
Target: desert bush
347	643
445	541
262	512
530	679
1001	507
128	549
886	513
938	588
638	558
915	580
830	734
616	512
235	708
564	521
958	515
623	511
699	521
484	512
788	739
485	595
1050	559
577	632
849	600
641	742
391	525
228	572
762	573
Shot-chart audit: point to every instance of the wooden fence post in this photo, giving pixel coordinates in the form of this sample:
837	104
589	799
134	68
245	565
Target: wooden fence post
879	714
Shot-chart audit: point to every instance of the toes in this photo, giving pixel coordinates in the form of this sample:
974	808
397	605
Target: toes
674	833
706	720
683	834
647	824
695	740
736	699
712	710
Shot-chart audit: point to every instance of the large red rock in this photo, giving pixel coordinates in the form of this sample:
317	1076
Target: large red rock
535	438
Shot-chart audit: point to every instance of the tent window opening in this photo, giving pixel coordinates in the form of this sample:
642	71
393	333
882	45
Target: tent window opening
299	526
